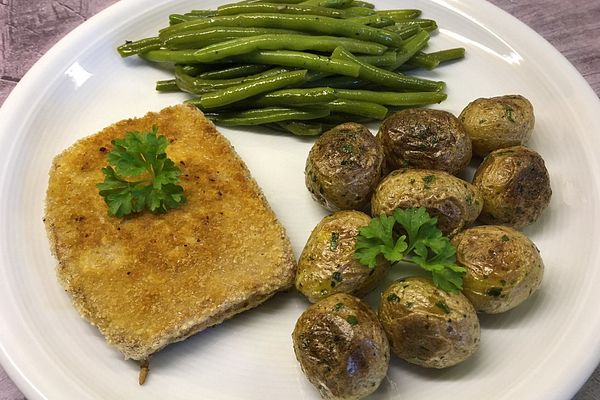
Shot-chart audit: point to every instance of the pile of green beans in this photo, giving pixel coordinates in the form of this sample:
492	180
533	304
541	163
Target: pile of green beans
297	66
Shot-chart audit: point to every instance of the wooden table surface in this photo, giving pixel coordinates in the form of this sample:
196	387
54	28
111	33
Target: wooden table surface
29	28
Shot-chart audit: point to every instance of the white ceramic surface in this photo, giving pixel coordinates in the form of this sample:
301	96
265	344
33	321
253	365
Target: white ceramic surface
544	349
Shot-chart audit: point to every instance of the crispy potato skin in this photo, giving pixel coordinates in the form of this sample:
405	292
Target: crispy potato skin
454	202
341	347
498	122
426	139
344	166
427	326
327	264
515	186
503	267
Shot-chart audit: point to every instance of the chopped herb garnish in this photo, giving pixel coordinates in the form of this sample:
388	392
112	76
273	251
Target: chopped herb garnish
393	298
337	276
422	244
441	304
505	238
338	306
140	176
509	110
428	180
347	148
352	320
469	199
333	242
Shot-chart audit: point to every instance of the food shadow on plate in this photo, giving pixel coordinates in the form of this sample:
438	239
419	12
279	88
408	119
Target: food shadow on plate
517	316
217	339
400	371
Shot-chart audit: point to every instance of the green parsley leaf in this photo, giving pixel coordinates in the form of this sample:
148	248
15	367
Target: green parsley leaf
417	240
377	238
140	176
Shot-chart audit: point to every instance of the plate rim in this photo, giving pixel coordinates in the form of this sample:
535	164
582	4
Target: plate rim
20	93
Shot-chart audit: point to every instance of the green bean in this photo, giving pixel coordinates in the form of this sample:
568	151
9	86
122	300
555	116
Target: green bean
204	37
223	97
169	85
169	56
200	86
139	46
175	19
328	3
300	128
296	97
235	47
237	8
266	116
338	82
388	78
376	21
392	98
423	60
385	60
364	4
236	71
358	12
400	15
448	54
204	13
297	59
360	108
410	48
405	31
428	24
304	23
427	60
193	70
284	97
273	1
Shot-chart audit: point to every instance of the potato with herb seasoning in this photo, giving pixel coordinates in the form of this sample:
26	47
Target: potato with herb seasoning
503	267
454	202
498	122
327	264
515	186
341	347
427	326
426	139
343	167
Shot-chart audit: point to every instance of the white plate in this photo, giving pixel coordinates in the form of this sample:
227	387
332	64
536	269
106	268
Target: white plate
543	350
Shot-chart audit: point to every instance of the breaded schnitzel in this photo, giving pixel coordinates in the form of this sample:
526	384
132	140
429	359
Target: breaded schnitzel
153	279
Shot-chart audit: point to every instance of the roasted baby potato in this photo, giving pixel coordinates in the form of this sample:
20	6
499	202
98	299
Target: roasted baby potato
515	186
503	267
341	347
327	264
454	202
343	167
427	326
426	139
498	122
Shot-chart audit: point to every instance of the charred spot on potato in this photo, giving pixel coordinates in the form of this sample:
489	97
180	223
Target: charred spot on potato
494	292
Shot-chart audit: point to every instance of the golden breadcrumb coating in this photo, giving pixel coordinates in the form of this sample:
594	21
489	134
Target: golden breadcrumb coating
150	280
